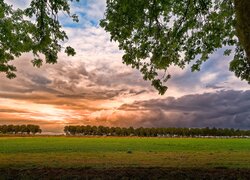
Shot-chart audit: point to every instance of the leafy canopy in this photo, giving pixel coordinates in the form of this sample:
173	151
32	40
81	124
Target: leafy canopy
42	37
156	34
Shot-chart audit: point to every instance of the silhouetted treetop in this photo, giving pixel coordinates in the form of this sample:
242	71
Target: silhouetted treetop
21	34
20	129
154	34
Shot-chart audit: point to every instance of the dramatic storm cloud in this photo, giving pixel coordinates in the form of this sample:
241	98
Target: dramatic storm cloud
221	109
94	87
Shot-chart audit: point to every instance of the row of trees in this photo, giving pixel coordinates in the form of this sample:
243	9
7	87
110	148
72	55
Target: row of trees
20	129
152	132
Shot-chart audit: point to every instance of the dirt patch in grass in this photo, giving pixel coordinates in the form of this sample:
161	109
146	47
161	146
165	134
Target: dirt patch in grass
125	173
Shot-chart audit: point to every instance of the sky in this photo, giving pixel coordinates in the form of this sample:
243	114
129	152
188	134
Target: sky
94	87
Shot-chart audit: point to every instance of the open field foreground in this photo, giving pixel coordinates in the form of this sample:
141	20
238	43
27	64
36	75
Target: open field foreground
222	157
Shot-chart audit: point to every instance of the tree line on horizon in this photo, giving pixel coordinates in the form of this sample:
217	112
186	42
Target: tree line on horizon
152	132
20	129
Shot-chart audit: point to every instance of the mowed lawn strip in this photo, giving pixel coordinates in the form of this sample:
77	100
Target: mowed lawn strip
108	152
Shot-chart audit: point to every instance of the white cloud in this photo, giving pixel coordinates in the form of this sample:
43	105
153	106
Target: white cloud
19	3
208	77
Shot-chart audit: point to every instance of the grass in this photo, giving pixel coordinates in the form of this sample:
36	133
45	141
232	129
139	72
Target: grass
67	152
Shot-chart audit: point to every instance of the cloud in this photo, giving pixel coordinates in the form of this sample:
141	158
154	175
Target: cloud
214	86
18	4
214	73
221	109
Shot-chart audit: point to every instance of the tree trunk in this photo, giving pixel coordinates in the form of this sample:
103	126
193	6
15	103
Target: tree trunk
242	9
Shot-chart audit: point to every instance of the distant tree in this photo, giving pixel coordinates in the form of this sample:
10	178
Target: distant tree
94	130
151	132
72	130
79	130
131	131
4	129
23	129
15	129
10	128
112	131
88	130
66	130
29	128
35	129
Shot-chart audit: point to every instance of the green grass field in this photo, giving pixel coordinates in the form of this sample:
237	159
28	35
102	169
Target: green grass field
67	152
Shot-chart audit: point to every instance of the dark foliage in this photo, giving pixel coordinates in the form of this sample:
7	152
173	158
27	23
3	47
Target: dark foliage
20	129
157	34
153	34
152	132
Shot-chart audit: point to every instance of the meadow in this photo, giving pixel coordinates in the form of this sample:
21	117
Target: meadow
117	152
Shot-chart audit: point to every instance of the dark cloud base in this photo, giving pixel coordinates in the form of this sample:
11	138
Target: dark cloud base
223	109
